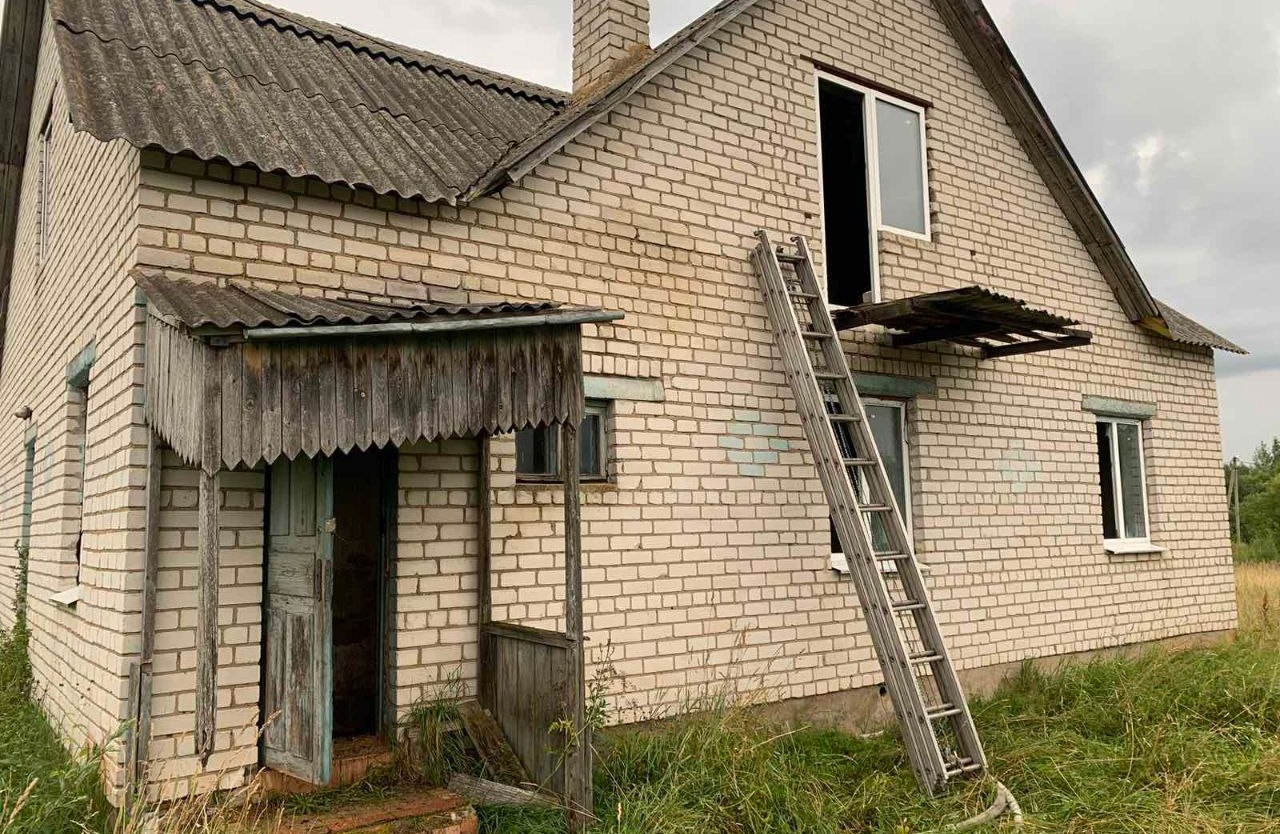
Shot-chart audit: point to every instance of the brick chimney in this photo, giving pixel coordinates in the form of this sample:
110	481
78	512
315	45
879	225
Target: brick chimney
608	36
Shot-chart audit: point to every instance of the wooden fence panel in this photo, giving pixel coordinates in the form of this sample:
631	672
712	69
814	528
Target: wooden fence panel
527	683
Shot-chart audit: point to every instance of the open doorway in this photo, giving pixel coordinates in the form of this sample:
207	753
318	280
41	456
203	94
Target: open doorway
330	523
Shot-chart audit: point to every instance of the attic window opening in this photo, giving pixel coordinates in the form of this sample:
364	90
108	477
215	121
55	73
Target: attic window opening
874	179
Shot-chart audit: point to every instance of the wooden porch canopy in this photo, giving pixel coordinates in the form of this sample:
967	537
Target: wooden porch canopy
972	316
238	375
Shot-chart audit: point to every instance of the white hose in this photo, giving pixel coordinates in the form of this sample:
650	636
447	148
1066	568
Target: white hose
1005	803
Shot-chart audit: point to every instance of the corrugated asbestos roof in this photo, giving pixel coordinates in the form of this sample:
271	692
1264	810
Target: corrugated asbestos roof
255	85
207	305
1187	331
245	82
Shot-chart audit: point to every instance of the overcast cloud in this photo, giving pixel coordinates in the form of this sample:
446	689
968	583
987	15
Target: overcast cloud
1171	107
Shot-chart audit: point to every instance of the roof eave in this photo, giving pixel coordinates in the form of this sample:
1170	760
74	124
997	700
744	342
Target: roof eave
19	55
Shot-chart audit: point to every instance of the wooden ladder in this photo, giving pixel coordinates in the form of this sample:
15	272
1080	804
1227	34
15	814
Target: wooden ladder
937	727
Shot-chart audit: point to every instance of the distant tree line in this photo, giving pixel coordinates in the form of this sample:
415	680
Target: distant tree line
1259	484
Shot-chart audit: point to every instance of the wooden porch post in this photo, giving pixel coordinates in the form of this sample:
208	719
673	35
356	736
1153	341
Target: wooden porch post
485	532
484	577
578	763
207	623
207	600
141	738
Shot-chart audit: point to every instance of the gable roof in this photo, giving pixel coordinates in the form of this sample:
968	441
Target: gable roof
558	132
253	85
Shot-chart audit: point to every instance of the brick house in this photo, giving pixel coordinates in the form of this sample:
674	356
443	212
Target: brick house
190	180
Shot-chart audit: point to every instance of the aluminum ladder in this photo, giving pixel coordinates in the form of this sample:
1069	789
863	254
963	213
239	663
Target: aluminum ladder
937	728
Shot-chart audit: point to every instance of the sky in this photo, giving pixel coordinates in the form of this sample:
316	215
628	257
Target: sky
1170	107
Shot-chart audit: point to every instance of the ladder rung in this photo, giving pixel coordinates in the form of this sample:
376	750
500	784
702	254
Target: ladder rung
944	711
909	606
807	296
893	557
844	418
859	462
828	375
814	334
930	657
877	508
962	767
789	258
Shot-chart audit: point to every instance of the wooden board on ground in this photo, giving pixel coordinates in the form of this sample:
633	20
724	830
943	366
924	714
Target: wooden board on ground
503	764
483	792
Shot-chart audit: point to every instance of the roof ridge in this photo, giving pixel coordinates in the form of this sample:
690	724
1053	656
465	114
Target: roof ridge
301	25
354	104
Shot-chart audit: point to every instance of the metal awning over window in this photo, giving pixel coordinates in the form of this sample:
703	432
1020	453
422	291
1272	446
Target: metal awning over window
238	375
972	316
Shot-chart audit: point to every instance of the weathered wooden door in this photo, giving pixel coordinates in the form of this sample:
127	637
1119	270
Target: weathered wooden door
299	661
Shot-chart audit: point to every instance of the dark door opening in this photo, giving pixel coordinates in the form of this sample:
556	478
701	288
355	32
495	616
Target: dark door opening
845	196
330	536
358	592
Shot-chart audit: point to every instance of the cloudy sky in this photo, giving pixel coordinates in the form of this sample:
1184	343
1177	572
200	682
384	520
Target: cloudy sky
1171	107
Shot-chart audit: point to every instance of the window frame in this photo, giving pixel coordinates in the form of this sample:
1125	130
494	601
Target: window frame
870	138
592	407
839	560
1124	543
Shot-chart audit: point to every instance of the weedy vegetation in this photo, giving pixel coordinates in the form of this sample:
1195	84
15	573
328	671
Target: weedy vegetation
1163	742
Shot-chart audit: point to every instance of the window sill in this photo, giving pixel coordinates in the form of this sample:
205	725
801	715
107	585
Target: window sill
558	486
69	597
840	564
1135	548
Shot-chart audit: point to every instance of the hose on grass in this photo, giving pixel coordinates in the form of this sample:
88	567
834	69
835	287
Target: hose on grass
1005	803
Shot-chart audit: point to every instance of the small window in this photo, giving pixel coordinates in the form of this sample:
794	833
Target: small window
1124	482
888	422
874	178
44	196
77	442
28	490
538	450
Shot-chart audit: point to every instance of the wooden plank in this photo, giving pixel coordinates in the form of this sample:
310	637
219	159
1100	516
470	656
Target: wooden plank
491	744
207	617
327	400
251	419
293	383
1037	346
479	791
310	359
346	398
150	574
231	381
270	407
528	634
379	395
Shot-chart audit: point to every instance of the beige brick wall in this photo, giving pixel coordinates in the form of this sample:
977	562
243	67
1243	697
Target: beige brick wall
702	565
699	565
76	297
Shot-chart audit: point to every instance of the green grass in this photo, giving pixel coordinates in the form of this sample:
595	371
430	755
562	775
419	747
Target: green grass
43	790
1166	743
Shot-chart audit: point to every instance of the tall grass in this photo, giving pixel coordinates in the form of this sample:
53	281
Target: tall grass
1166	743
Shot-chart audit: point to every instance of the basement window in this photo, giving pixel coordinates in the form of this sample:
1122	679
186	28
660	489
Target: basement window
873	175
1124	486
538	450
